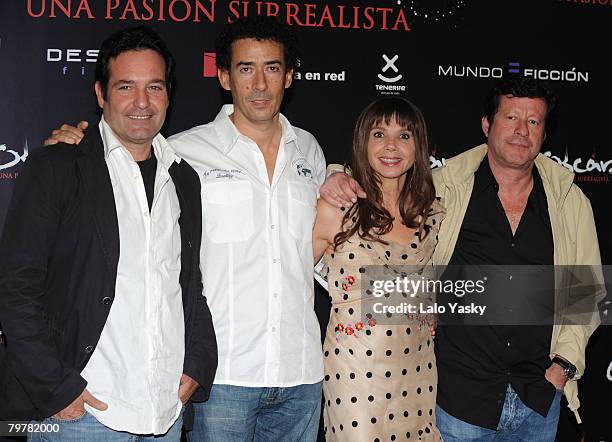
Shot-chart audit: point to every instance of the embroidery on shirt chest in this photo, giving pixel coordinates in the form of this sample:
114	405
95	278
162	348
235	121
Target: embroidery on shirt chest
226	174
302	168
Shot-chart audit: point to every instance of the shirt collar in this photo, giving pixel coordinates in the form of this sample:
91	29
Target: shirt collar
484	178
228	134
163	152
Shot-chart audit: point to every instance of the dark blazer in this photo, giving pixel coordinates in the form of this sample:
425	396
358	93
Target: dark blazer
58	268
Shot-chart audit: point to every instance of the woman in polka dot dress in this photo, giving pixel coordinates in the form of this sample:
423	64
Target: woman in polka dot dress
380	379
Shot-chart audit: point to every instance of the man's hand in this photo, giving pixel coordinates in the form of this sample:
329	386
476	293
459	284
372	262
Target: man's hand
432	323
341	190
77	408
556	376
187	387
67	134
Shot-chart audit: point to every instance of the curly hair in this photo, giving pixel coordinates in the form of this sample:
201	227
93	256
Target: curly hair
260	28
368	217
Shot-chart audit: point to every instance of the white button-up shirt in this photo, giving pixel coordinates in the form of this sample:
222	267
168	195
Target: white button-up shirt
137	364
257	251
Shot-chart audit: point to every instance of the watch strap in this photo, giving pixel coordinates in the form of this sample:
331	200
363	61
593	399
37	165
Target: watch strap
569	369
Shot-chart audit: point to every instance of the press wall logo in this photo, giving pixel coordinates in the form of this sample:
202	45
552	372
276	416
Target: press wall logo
591	170
9	158
587	2
514	68
390	75
551	74
210	65
72	61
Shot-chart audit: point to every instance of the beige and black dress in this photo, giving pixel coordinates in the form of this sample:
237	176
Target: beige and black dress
380	380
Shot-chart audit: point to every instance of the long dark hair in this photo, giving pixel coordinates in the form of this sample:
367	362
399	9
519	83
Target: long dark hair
368	217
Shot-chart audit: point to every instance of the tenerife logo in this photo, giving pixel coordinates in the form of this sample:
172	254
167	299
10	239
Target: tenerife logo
10	158
390	64
390	74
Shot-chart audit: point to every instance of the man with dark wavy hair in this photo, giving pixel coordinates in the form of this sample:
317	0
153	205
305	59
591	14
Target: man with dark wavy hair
509	205
260	178
108	334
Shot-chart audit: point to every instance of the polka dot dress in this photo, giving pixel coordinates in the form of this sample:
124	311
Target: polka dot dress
380	380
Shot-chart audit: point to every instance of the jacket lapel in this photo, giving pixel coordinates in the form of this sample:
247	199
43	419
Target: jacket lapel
97	183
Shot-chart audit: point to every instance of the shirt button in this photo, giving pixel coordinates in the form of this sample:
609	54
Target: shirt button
508	373
276	295
89	349
146	214
275	261
273	329
272	226
106	300
512	245
510	277
508	344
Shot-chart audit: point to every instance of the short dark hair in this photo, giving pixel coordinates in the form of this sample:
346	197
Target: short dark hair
522	87
260	28
139	38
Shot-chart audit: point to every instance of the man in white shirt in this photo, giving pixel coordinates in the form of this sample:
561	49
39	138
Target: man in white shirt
260	178
108	334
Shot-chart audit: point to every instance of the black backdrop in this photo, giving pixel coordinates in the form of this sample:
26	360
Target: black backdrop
448	53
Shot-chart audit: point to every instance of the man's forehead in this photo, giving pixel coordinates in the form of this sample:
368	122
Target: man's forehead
252	47
134	58
534	103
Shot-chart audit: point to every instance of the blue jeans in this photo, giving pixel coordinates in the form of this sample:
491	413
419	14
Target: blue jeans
258	413
517	423
87	429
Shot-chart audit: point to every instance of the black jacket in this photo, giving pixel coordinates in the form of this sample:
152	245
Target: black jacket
58	268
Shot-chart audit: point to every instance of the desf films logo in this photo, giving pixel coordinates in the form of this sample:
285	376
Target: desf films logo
72	61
